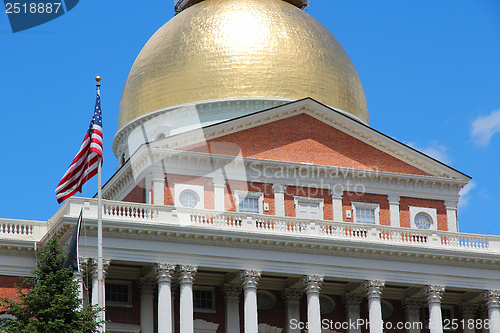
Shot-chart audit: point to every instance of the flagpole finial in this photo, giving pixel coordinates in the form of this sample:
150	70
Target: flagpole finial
98	78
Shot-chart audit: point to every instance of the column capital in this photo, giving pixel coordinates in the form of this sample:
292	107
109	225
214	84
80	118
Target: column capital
218	181
147	286
155	175
352	301
164	272
374	288
312	283
434	293
292	296
186	273
451	204
336	194
278	188
393	199
492	298
469	309
412	303
85	265
232	292
92	266
250	278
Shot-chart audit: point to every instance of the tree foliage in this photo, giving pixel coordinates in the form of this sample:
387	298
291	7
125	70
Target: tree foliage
49	302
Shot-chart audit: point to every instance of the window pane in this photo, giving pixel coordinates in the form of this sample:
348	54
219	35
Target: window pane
249	205
365	215
203	299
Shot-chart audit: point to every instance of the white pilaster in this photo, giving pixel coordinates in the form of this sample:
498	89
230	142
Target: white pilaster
164	274
148	181
434	294
492	298
394	210
232	293
337	206
250	279
279	199
374	293
158	188
292	298
412	307
313	285
147	286
468	310
186	278
352	302
219	194
451	215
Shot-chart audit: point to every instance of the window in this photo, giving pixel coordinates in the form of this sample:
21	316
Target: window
188	199
423	221
265	300
203	299
387	309
367	213
250	202
326	305
189	196
423	218
118	293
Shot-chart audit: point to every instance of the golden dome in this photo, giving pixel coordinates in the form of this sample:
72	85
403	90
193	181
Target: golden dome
220	49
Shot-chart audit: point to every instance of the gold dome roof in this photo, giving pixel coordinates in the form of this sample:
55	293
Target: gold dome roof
219	49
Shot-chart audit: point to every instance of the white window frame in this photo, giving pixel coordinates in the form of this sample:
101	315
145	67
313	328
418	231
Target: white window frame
197	190
430	212
242	194
212	290
319	201
120	304
365	205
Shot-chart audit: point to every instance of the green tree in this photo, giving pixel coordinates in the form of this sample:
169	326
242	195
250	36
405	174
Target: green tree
49	302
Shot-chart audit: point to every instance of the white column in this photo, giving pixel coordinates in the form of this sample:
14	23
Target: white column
412	308
147	286
292	298
337	205
158	188
434	294
95	282
313	285
186	278
250	279
78	277
219	194
164	274
394	210
451	215
374	293
279	199
232	293
468	313
492	298
352	302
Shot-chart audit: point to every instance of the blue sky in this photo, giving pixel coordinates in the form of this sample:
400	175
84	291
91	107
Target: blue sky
430	70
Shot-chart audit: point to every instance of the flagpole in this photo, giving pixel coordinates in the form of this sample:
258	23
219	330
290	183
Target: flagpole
100	273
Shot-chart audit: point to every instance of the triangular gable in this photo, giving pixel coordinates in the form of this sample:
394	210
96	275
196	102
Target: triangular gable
304	139
404	158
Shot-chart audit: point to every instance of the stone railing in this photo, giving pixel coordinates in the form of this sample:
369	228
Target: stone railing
114	211
22	229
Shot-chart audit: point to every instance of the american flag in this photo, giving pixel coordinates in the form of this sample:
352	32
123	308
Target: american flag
85	163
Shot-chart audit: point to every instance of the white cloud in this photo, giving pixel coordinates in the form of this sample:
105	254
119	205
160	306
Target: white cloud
434	150
483	128
464	194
